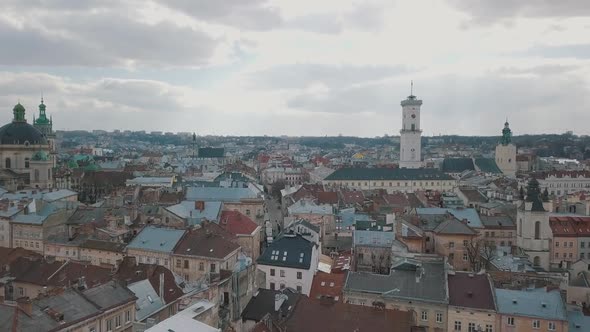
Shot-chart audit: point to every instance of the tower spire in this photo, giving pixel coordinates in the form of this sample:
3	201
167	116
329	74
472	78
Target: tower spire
411	87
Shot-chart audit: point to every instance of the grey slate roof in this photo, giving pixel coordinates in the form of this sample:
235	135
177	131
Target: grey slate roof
373	238
497	221
529	303
148	301
408	279
454	226
457	165
263	302
158	239
186	209
288	251
387	174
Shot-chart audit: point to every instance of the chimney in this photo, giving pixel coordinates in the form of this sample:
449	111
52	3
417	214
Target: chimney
25	304
199	205
162	288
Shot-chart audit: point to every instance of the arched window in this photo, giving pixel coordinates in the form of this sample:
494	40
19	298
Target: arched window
49	174
36	175
536	261
520	226
7	163
27	162
537	230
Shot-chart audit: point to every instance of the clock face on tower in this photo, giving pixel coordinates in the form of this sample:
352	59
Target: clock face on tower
413	116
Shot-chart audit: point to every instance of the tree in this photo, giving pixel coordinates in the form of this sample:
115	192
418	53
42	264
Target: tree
480	253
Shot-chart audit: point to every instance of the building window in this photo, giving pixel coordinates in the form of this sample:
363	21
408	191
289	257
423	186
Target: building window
451	257
556	244
92	329
201	266
424	315
465	243
109	325
7	163
536	324
556	255
282	273
457	325
212	267
582	256
272	272
282	286
465	257
186	263
360	255
571	255
299	275
551	326
489	328
178	263
571	244
582	244
127	316
27	162
439	317
511	321
471	327
451	244
299	289
118	321
537	230
272	286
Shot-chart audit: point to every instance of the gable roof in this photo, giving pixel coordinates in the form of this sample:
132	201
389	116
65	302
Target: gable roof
457	165
454	226
158	239
211	241
237	223
487	165
373	238
289	251
470	290
187	210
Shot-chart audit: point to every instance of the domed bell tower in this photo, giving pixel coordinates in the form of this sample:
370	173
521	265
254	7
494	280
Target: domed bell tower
410	153
45	126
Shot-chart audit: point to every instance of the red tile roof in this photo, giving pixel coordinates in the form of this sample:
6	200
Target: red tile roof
471	291
325	316
327	197
237	223
327	285
570	226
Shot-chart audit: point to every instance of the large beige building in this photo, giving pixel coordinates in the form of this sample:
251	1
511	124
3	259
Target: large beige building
472	303
391	180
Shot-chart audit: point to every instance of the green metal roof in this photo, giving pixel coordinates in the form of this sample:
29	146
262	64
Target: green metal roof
457	165
487	165
387	174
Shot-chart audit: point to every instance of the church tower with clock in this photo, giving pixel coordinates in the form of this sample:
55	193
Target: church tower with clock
410	154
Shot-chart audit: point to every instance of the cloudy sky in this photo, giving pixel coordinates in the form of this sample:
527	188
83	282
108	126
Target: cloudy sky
305	67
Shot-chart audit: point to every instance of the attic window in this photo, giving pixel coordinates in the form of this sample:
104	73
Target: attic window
284	256
275	255
301	258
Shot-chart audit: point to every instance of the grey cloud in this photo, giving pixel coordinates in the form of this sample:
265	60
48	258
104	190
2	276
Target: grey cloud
489	12
578	51
301	75
319	23
476	106
103	38
363	16
543	70
246	14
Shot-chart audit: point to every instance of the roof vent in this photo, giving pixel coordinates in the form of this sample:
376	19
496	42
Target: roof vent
470	294
514	301
543	304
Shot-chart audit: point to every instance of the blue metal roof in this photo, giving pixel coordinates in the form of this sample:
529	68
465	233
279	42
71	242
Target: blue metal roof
531	303
186	209
156	239
373	238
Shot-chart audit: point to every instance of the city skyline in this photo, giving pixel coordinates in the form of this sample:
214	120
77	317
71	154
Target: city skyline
298	69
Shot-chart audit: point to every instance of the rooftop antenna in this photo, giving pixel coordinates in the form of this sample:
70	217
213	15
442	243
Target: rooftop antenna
411	87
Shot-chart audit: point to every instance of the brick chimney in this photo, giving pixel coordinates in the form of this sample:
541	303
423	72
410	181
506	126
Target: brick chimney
200	205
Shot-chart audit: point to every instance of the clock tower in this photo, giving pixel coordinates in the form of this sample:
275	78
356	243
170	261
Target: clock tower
410	154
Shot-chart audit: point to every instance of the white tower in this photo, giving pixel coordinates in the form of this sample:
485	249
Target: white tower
410	155
506	153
